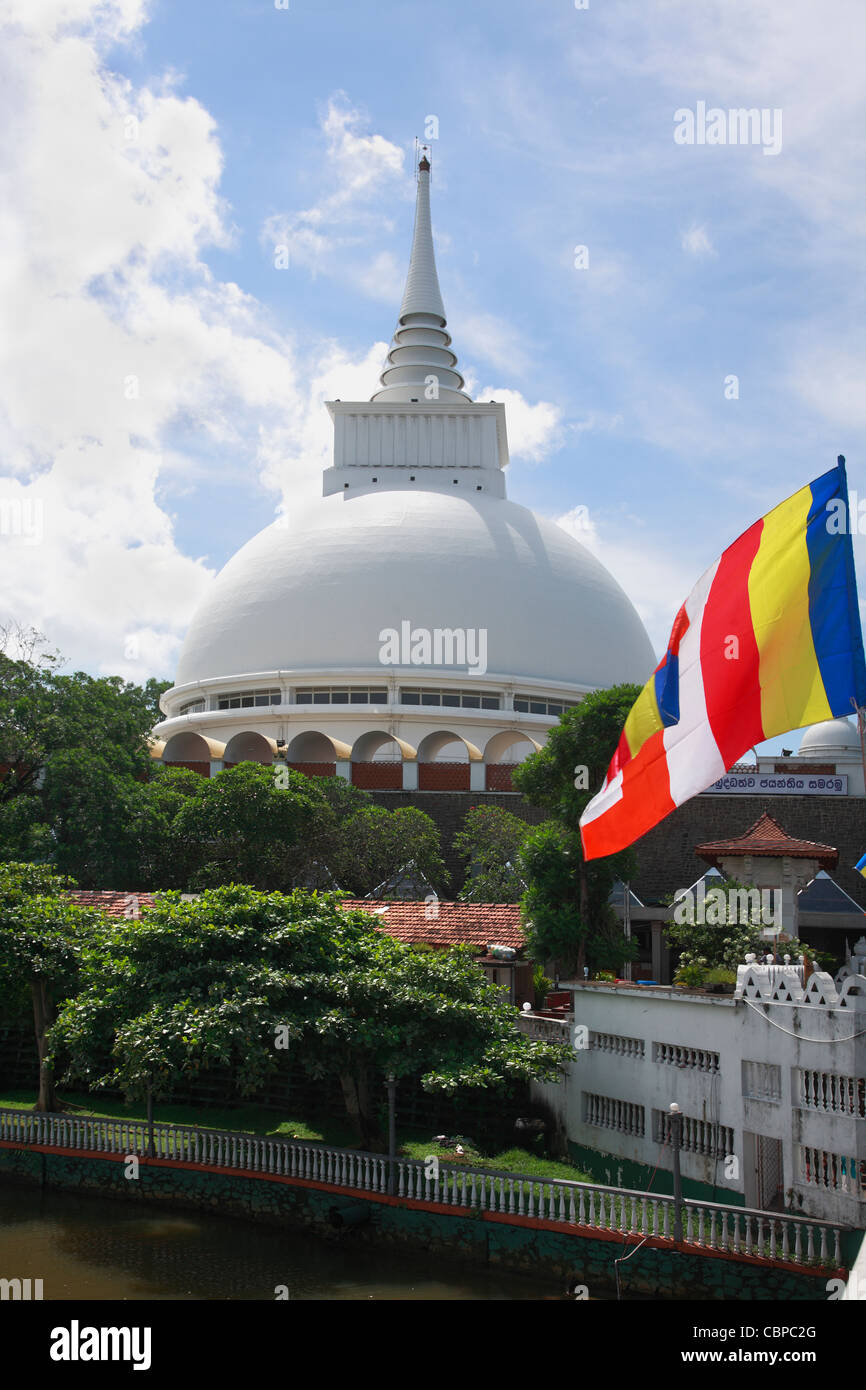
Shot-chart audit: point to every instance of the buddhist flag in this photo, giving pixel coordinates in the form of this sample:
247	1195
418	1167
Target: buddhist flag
768	640
860	866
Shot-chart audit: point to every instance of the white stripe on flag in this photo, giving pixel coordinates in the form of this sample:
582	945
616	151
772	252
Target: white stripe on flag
694	760
602	802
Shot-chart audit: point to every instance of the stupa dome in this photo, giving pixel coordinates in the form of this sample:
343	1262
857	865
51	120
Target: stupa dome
831	738
316	595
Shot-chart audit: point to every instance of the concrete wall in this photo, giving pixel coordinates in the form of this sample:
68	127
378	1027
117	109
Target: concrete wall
790	1036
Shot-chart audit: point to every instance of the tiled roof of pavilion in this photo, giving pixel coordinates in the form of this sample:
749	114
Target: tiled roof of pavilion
766	838
473	924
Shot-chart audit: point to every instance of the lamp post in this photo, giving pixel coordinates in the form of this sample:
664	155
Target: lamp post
392	1131
676	1140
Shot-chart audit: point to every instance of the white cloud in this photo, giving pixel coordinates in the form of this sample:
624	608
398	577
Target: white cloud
697	241
116	332
534	431
340	236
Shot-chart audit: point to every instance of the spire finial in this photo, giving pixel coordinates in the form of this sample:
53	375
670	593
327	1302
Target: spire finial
420	364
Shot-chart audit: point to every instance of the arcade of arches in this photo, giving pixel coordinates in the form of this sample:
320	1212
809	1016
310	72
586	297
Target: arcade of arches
377	761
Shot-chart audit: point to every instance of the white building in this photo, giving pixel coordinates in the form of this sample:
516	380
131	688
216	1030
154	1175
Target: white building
413	627
770	1081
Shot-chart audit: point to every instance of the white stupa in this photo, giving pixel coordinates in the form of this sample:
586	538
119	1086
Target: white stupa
411	628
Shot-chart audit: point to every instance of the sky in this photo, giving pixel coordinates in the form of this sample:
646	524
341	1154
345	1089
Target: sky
677	329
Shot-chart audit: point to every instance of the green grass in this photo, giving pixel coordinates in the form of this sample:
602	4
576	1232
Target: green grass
521	1161
254	1119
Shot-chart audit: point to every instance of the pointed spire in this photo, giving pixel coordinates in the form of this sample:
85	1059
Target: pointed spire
420	362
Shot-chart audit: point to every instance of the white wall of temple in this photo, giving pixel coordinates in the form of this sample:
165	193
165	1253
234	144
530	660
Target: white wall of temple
278	708
787	1072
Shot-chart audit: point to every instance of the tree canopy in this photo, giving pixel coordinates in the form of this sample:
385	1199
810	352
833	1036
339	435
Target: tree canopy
43	936
236	978
490	841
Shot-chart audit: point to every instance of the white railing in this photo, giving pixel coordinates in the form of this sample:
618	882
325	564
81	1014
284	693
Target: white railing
828	1090
702	1137
618	1044
831	1171
605	1112
798	1240
544	1029
675	1055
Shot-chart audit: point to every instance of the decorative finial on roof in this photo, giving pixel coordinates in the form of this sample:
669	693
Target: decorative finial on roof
420	363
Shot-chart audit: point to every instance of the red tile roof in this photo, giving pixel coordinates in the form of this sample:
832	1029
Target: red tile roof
113	901
474	924
766	838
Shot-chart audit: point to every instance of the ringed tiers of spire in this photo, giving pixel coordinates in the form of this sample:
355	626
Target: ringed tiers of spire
421	365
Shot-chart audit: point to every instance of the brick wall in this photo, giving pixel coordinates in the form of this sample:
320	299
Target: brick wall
203	769
315	769
378	776
497	776
443	777
666	857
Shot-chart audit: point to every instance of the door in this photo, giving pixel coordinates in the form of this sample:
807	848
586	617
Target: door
768	1164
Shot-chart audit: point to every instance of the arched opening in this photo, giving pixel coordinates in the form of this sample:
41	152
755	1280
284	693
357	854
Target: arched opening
443	762
313	754
191	750
503	753
249	747
377	761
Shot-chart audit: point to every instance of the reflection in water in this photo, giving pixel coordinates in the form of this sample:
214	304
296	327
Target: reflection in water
83	1247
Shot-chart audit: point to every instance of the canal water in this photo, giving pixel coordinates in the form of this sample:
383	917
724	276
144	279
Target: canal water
82	1247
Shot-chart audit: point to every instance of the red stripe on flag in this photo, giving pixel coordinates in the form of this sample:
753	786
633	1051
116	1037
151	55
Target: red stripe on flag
646	799
730	664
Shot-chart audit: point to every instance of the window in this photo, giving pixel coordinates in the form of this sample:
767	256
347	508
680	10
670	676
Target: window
533	704
248	699
450	699
191	707
342	695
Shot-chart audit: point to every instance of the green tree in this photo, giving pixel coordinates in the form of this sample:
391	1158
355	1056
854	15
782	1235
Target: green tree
567	898
490	841
236	978
374	843
255	828
42	936
75	749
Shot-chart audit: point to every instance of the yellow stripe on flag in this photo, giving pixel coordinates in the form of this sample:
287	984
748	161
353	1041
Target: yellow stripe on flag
644	719
792	691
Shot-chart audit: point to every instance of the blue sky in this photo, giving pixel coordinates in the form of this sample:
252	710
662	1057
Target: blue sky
153	257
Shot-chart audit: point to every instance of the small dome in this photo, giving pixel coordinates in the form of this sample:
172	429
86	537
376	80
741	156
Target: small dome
832	738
